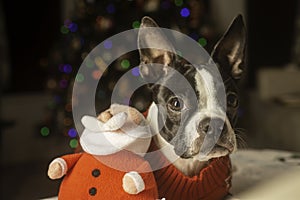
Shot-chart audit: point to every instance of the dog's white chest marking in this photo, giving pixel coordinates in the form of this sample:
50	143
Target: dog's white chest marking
189	167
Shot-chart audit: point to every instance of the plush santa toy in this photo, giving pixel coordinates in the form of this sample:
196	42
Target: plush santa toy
112	164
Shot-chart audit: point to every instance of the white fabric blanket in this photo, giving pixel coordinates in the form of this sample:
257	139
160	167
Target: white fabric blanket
266	174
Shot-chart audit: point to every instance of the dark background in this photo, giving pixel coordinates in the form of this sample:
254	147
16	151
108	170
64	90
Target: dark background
32	29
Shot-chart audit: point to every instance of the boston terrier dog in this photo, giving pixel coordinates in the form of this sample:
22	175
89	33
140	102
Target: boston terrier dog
183	122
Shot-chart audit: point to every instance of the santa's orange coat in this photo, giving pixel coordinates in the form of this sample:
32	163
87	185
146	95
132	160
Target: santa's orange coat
89	178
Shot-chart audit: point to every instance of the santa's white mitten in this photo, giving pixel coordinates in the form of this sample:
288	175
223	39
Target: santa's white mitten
133	183
57	168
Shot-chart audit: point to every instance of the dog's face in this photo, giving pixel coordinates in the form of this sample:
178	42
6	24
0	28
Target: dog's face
186	120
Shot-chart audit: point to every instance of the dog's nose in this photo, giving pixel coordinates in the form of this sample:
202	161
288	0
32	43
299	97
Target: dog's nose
186	155
210	124
203	126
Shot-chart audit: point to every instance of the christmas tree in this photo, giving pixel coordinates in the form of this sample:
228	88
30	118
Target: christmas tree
94	21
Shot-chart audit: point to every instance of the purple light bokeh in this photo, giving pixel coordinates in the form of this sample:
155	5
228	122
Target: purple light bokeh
73	27
185	12
111	8
63	83
72	132
107	44
135	71
67	68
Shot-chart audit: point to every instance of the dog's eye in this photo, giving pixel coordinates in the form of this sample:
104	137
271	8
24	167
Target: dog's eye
232	100
176	104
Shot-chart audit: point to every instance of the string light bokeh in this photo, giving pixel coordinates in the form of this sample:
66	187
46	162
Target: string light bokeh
92	23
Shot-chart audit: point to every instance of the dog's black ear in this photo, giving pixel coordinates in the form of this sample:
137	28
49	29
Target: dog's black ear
229	52
157	39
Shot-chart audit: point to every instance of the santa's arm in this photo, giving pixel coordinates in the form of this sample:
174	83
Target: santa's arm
59	166
133	183
142	179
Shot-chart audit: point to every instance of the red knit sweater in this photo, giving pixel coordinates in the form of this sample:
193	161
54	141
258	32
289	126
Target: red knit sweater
212	183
